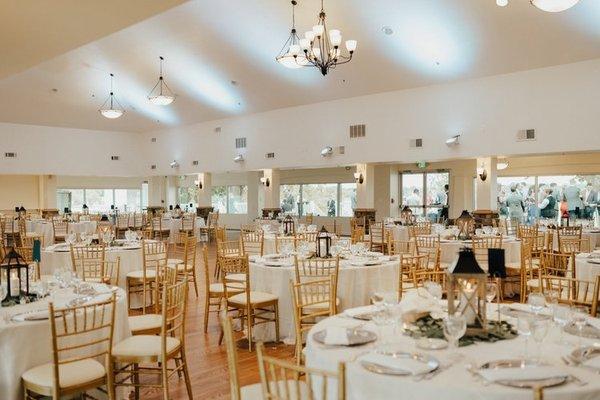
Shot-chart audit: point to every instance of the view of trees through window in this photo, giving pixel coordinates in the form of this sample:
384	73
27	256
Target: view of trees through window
424	192
187	196
230	199
100	200
321	199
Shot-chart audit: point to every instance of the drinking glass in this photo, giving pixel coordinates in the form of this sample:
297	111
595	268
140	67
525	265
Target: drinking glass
491	289
434	289
524	325
561	315
536	302
455	326
552	297
579	316
539	330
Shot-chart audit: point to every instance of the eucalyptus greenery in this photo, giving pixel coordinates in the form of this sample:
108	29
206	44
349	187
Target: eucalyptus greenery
432	328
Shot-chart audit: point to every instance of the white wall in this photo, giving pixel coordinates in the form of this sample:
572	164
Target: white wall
560	102
62	151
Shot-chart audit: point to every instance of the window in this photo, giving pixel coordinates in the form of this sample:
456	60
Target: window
100	200
524	187
237	199
144	195
230	199
321	199
219	199
187	196
424	192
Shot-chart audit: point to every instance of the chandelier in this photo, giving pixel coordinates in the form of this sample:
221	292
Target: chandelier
289	56
111	112
161	94
546	5
319	48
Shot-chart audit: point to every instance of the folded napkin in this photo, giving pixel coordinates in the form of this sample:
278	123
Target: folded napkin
522	374
32	316
410	365
353	312
336	335
419	300
593	362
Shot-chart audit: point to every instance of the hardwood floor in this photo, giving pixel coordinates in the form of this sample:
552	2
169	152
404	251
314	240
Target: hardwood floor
207	360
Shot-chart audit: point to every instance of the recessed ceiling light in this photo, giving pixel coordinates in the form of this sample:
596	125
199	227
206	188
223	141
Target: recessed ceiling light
387	30
54	90
234	83
502	3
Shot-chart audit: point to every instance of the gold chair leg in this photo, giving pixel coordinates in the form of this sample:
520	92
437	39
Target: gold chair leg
165	380
277	324
186	376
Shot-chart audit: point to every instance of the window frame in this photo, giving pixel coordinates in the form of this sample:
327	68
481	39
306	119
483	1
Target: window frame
112	190
423	206
227	199
338	196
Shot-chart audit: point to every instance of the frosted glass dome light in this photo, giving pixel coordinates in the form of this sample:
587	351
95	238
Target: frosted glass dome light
554	5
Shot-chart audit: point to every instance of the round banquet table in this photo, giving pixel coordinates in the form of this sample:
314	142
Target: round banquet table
454	382
44	228
59	256
399	232
588	266
449	250
174	225
27	344
592	235
355	286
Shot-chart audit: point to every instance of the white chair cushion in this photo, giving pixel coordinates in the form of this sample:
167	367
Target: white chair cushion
182	267
71	374
533	282
255	297
150	273
324	305
218	287
251	392
143	346
138	323
174	261
254	392
237	277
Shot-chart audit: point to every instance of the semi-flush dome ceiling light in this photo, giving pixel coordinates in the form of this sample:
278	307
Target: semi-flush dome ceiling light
161	94
501	164
111	108
290	55
554	5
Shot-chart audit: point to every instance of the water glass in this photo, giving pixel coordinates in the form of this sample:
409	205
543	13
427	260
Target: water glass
491	289
579	317
434	289
539	330
524	327
455	326
536	302
561	315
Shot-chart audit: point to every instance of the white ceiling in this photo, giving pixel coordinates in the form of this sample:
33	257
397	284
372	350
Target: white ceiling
208	43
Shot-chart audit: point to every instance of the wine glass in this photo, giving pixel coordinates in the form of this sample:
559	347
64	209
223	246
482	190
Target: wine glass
455	326
524	325
491	289
536	302
561	315
579	316
434	289
539	330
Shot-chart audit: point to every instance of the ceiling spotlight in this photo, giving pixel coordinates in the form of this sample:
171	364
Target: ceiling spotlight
501	164
387	30
114	109
327	151
238	158
502	3
174	164
161	94
452	141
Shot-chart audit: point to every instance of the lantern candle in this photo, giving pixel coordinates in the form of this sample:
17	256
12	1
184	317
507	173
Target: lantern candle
15	286
466	296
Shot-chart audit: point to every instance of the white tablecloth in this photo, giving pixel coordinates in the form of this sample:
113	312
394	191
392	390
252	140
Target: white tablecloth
450	249
454	382
174	225
399	232
24	345
44	228
131	260
587	268
355	286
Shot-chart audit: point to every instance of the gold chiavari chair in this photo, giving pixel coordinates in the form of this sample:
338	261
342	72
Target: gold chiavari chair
572	291
60	229
141	282
188	224
214	291
157	350
571	244
247	228
357	222
92	256
160	232
397	247
409	270
555	263
122	225
309	219
377	240
10	230
139	221
527	231
430	245
253	307
26	250
310	237
282	380
480	246
210	230
282	241
227	249
357	235
538	393
419	229
312	300
187	268
220	233
80	336
253	243
569	231
529	270
151	323
111	271
237	392
103	230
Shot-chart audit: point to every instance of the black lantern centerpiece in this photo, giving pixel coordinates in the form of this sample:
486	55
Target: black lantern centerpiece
467	291
288	226
86	210
22	212
323	243
11	267
466	225
406	216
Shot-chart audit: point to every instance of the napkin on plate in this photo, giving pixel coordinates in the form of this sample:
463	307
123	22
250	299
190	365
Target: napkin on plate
336	335
410	365
522	374
353	312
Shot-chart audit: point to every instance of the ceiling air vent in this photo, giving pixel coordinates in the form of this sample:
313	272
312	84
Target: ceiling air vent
153	166
342	149
218	129
270	155
357	131
240	143
526	135
10	155
153	140
195	162
416	143
114	158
